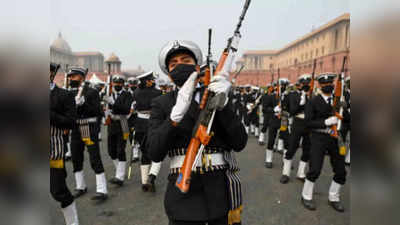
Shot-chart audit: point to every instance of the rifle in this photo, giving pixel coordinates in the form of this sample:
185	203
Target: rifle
271	88
278	84
311	92
237	74
338	108
66	80
108	93
209	104
83	86
131	156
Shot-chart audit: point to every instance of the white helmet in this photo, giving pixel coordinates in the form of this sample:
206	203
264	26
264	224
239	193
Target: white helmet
174	46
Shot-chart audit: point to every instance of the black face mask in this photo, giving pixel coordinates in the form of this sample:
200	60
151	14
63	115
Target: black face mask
181	73
327	89
306	88
118	88
75	83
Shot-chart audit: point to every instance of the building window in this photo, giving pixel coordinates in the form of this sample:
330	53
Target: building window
336	39
306	56
323	50
347	36
311	54
316	52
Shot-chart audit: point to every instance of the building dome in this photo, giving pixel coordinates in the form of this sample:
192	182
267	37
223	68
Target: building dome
61	44
113	58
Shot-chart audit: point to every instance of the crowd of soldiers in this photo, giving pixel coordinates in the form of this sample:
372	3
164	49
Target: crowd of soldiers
158	119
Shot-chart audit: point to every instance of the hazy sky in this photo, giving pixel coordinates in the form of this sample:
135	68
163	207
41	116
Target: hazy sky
136	30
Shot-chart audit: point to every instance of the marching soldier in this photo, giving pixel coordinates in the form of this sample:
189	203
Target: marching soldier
141	105
118	130
270	103
319	118
253	111
85	134
62	117
173	118
283	143
297	102
133	84
267	114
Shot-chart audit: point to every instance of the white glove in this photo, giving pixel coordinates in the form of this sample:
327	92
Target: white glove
331	121
110	100
79	101
185	95
220	84
303	98
277	109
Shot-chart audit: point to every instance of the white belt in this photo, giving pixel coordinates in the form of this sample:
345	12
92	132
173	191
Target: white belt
215	159
143	115
300	116
323	131
87	120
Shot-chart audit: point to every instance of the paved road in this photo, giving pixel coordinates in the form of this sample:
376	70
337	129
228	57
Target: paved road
266	200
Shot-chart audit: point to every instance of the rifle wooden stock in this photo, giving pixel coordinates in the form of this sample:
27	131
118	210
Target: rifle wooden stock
201	137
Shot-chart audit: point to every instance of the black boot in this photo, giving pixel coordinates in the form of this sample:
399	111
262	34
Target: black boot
116	181
284	179
337	206
151	183
302	179
308	204
261	143
79	192
100	197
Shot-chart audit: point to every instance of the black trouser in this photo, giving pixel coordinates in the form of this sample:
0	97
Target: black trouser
219	221
299	131
284	135
345	129
78	148
58	187
115	141
272	132
267	118
254	119
320	143
140	138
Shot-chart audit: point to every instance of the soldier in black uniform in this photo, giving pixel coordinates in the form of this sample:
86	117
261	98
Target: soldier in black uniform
347	118
85	134
118	131
267	114
133	83
319	118
297	102
270	103
283	142
253	111
141	105
173	118
62	118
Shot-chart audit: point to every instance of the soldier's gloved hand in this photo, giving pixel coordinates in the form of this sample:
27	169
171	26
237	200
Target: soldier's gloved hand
220	84
303	98
331	121
79	101
277	109
110	100
185	95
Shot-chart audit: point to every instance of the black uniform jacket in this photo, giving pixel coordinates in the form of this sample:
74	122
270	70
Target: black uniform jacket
143	98
62	109
121	106
294	106
316	112
208	196
269	102
91	107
